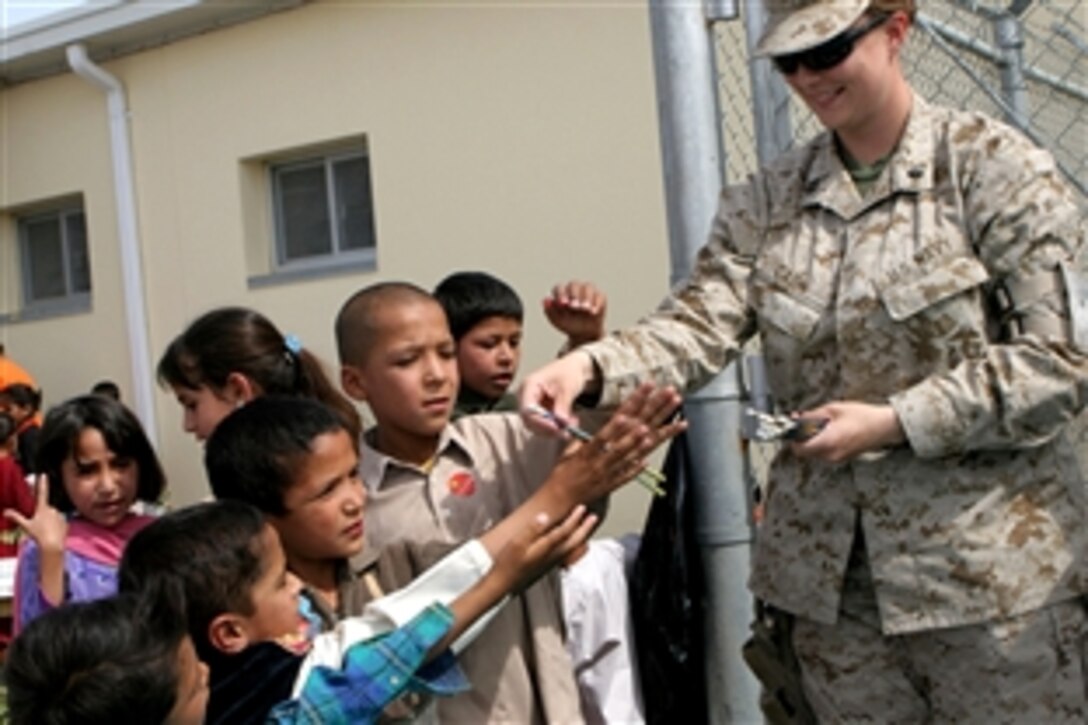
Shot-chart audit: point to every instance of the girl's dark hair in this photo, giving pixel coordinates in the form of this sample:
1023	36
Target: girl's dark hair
110	660
470	297
255	454
210	552
239	340
23	395
119	427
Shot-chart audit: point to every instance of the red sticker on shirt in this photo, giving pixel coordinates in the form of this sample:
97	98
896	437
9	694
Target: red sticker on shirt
461	484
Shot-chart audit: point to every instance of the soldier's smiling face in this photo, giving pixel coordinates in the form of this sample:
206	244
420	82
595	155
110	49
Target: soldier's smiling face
852	94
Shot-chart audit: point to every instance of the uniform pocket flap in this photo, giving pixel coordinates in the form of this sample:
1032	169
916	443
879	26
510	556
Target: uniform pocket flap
905	299
787	313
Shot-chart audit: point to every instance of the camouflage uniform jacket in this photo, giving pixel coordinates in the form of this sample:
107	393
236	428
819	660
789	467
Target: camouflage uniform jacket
891	298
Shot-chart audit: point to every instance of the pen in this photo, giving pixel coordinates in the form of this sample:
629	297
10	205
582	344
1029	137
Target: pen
647	477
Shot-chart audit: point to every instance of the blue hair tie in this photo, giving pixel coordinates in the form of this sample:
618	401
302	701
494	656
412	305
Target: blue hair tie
292	343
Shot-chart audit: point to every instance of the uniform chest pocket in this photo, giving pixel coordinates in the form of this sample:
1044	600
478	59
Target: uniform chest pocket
935	290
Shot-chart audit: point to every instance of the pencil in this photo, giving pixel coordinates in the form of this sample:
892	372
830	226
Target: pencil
647	477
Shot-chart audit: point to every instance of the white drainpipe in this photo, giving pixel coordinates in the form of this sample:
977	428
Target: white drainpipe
131	268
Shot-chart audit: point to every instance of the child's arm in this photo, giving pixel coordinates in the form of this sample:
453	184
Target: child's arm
613	456
373	673
528	555
16	493
586	472
577	309
48	528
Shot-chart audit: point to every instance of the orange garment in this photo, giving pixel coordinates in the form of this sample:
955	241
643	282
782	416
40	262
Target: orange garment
12	372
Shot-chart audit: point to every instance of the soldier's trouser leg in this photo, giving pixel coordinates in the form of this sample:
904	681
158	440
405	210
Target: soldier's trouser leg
1025	669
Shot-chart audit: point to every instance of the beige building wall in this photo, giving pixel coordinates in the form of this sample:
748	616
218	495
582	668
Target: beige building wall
518	138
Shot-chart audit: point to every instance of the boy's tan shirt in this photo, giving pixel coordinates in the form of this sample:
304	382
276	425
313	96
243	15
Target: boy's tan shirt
486	465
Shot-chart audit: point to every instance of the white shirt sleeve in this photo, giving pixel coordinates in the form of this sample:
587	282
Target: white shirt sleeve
444	582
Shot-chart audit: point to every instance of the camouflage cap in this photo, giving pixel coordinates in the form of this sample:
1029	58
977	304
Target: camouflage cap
796	25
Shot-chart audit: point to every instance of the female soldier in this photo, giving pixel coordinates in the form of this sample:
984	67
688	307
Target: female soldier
910	274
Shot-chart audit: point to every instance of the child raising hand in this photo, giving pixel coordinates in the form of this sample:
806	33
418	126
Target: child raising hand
96	462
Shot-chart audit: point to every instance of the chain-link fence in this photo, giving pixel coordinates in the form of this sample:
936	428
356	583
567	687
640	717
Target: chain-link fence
1024	61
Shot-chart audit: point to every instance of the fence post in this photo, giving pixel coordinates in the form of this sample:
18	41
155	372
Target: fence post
770	96
1009	38
691	151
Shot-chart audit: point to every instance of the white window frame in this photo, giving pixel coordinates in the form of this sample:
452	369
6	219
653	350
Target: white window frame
72	300
337	256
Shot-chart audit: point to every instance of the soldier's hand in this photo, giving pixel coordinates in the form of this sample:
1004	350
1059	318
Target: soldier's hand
852	429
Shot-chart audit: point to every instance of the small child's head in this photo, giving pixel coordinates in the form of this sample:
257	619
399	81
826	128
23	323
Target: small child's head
397	355
232	355
8	438
293	459
121	659
107	388
98	459
229	563
20	401
485	316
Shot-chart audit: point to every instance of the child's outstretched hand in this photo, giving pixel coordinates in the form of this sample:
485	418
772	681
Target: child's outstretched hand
535	549
48	526
617	453
577	309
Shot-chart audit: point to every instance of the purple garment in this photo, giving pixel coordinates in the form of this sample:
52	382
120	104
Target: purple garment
85	580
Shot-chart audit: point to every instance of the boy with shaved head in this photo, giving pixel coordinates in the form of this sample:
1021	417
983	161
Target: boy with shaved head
432	480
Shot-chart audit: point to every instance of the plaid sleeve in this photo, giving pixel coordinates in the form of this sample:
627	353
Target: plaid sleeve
375	673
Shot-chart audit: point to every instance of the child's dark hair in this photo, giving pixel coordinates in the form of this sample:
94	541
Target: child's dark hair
122	432
210	551
239	340
356	326
255	453
8	426
23	395
109	660
108	388
470	297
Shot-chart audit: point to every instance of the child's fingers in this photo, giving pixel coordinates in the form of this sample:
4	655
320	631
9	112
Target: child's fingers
669	431
593	300
616	438
41	489
565	536
562	529
549	534
16	518
579	536
633	404
569	294
657	405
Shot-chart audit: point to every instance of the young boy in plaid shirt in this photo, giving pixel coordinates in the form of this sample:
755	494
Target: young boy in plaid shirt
242	597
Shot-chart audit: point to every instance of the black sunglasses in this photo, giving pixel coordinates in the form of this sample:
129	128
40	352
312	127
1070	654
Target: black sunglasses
830	54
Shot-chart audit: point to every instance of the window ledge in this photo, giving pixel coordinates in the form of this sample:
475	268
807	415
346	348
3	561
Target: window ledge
328	268
47	310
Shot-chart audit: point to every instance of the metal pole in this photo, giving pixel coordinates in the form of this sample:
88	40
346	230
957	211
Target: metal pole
691	158
1009	38
770	96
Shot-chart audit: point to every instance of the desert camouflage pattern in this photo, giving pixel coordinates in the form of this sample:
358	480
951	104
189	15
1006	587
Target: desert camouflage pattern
1025	669
940	293
795	25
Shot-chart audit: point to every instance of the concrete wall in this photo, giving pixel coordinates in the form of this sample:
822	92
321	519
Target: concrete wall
515	138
